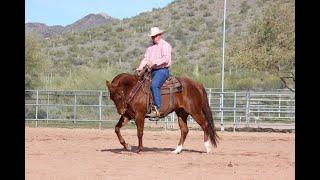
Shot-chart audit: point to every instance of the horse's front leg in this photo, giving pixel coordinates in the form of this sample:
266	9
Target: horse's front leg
140	126
122	121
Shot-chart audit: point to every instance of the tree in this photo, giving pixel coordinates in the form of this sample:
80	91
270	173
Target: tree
38	67
244	7
32	63
271	43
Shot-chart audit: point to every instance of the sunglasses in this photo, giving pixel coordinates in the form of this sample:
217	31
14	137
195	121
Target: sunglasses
155	36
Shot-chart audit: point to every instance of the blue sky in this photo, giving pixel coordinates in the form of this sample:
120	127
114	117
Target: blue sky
64	12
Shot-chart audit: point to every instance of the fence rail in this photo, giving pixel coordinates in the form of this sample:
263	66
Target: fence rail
240	108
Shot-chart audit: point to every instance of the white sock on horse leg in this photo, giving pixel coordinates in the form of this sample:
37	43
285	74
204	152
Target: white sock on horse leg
178	149
208	146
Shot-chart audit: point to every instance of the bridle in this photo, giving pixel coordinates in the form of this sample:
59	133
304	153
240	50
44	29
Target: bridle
133	92
123	102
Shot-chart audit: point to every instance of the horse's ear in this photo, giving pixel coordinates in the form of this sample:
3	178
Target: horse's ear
108	85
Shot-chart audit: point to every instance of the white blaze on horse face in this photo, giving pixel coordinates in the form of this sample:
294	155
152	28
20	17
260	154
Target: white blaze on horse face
178	150
208	146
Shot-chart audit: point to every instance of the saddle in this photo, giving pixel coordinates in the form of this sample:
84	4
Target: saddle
171	86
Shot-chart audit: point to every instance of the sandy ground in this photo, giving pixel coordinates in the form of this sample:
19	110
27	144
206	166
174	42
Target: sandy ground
58	153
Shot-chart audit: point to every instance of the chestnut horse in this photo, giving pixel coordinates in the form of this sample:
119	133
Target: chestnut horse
191	101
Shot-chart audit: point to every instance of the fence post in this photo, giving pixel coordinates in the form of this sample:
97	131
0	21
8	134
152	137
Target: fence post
209	97
173	116
279	107
247	107
221	111
48	102
100	109
291	106
75	108
37	104
234	111
166	123
259	114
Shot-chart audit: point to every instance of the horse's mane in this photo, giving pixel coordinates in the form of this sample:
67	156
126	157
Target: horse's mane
124	79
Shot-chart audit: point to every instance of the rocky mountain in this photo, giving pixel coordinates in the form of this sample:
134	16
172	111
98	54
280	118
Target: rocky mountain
43	30
89	21
194	28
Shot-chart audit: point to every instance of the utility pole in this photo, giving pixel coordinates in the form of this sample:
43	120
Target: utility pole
222	66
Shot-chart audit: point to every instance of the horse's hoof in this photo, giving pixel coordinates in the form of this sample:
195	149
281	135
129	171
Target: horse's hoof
128	147
175	152
139	149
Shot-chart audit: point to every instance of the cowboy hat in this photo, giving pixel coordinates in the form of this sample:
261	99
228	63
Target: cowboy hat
154	31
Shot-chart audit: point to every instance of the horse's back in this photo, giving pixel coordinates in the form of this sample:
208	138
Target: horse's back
189	83
191	88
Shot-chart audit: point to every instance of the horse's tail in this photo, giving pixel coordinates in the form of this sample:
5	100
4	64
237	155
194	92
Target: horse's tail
208	115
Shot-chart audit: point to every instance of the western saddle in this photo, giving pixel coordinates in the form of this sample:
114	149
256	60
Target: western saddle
171	85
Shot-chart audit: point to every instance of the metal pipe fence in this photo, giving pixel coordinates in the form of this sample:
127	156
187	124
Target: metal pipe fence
240	108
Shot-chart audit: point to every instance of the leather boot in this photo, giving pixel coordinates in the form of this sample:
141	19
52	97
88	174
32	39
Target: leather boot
154	112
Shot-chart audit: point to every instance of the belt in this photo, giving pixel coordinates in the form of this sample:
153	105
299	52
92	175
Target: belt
159	68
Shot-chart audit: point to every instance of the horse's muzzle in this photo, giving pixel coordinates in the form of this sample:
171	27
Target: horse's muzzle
123	111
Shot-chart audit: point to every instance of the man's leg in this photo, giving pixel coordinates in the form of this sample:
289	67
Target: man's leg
158	78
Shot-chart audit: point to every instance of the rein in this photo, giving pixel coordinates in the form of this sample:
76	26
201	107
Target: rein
133	93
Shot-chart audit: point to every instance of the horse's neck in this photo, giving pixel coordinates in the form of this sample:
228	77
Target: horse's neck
128	83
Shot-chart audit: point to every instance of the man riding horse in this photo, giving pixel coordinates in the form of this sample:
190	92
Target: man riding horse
158	58
182	95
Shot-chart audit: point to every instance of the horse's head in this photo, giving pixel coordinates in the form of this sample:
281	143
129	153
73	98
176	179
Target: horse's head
118	89
117	96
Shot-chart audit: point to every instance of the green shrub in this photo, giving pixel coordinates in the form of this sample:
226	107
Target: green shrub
119	29
203	7
206	14
244	7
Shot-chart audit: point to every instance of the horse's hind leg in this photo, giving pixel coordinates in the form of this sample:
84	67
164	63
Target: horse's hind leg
200	119
182	120
122	121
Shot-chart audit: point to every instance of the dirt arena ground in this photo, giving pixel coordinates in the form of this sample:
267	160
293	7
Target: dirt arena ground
60	153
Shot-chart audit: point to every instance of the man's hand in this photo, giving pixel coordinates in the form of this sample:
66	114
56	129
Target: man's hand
137	72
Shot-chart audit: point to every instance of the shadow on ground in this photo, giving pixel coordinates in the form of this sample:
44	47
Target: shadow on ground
147	149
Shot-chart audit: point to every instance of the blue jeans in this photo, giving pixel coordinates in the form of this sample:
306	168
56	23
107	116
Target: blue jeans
159	76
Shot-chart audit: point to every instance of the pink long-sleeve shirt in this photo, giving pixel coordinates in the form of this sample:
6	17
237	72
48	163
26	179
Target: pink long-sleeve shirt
158	54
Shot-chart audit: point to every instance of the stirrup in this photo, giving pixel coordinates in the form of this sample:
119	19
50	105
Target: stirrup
154	113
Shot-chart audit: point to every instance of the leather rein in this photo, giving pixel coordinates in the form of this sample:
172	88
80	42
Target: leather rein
133	92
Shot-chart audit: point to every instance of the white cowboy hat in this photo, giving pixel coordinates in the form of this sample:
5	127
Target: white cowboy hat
154	31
